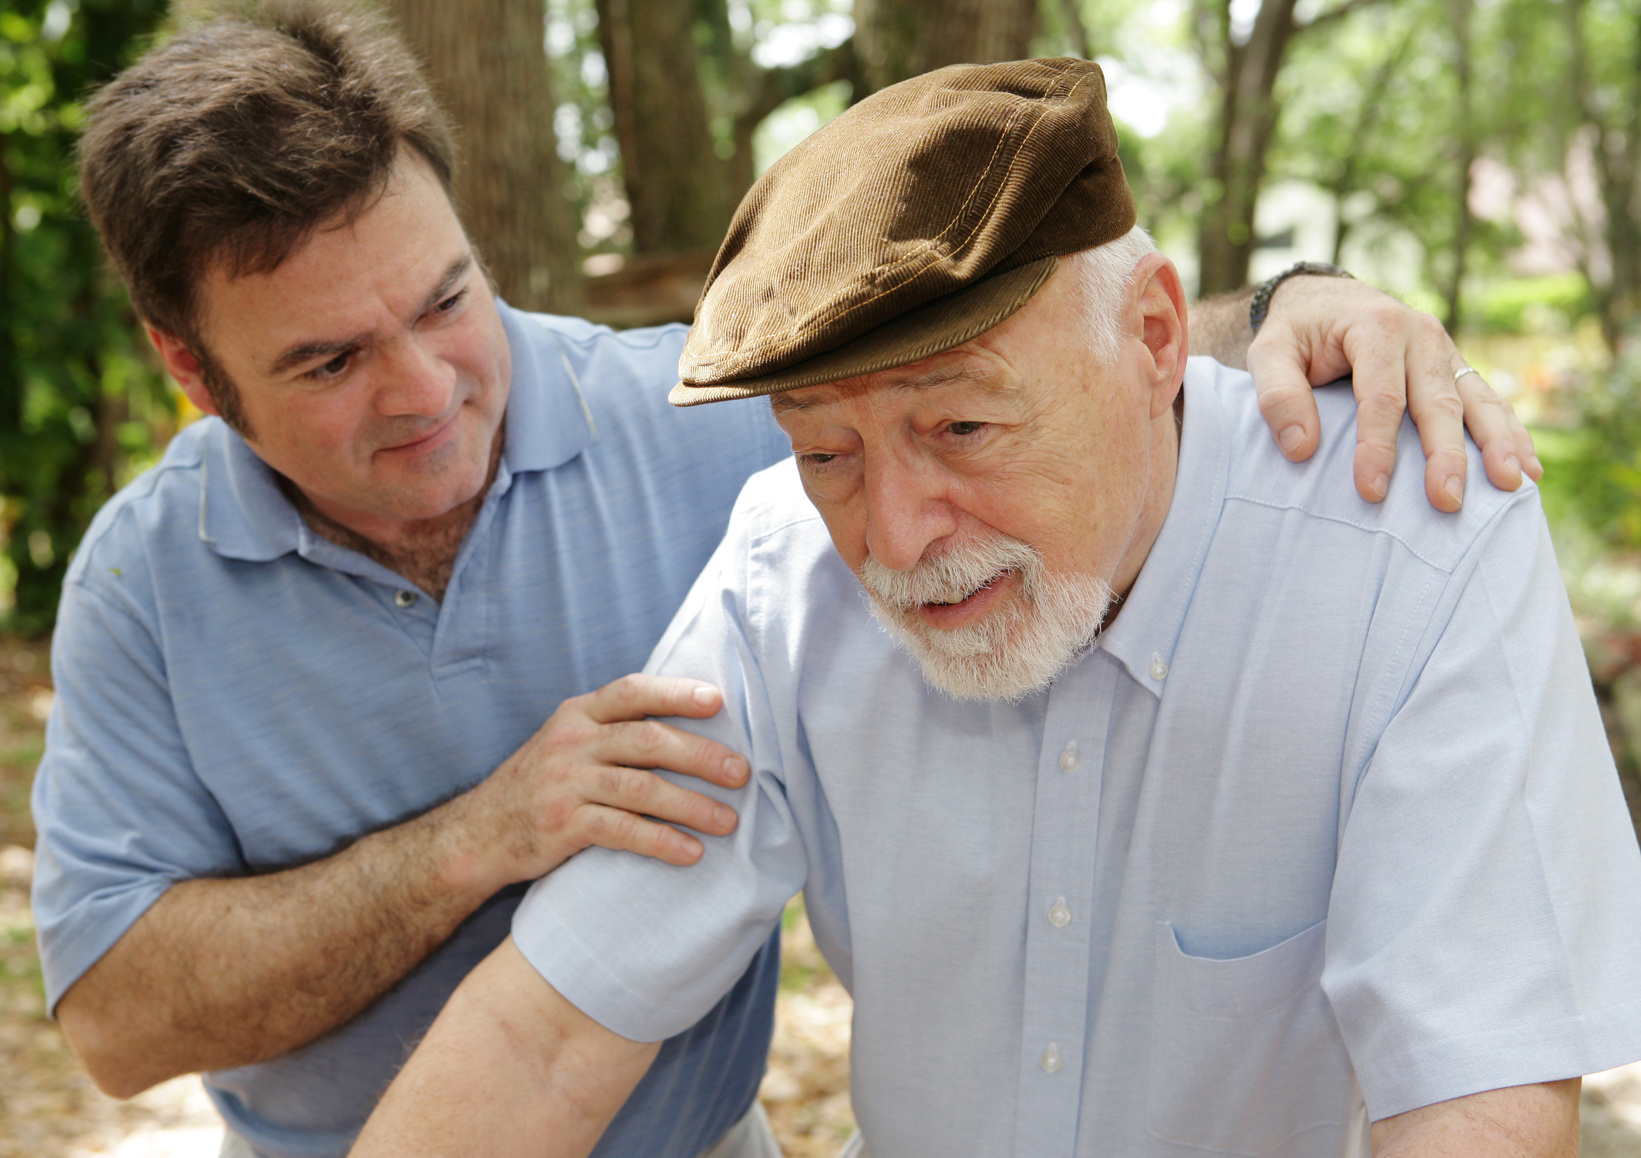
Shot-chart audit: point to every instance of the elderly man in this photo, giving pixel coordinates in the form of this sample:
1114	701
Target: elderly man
1206	808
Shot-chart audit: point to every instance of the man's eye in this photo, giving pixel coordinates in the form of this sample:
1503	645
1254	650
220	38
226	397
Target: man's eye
818	459
450	303
961	429
330	369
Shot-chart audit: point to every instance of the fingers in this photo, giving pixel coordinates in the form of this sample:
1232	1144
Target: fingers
1399	359
1433	401
637	791
632	697
624	808
1286	399
625	831
1506	447
652	744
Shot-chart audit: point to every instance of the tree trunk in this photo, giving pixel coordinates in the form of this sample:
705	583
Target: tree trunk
1616	147
1247	117
678	187
487	61
1465	134
898	39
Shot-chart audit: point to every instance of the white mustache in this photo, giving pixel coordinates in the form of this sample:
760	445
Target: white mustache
952	575
1013	652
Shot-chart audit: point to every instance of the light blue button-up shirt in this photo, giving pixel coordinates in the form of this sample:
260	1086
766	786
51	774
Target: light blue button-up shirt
236	694
1322	829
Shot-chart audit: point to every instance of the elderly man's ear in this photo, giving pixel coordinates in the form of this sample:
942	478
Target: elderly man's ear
1160	300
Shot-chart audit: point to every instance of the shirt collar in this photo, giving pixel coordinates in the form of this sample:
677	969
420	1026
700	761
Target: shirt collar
244	515
1143	637
548	422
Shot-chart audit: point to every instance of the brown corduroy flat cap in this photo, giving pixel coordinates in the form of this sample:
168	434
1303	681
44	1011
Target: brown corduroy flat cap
917	220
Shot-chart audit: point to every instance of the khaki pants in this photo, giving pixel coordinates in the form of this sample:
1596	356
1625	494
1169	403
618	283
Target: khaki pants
751	1137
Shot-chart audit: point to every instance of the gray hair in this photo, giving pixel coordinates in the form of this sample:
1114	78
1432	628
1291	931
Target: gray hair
1104	275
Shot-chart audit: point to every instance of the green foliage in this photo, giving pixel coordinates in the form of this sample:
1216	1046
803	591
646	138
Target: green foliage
80	405
1534	303
1593	470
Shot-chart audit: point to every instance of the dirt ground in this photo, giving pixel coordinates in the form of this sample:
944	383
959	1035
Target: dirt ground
50	1109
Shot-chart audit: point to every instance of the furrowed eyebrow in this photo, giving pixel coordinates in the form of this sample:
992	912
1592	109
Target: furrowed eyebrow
309	351
454	274
941	378
785	403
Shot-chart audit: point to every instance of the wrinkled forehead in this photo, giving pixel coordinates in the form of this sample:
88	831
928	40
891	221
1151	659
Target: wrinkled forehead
964	375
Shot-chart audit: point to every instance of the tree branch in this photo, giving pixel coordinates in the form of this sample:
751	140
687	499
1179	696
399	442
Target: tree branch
769	88
1334	15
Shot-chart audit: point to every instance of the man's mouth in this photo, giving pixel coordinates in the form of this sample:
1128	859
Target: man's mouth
971	607
986	586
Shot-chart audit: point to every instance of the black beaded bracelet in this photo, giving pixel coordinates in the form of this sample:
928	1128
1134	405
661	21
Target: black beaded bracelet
1261	305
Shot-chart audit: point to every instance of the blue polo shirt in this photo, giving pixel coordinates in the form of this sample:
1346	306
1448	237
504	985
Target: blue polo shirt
237	695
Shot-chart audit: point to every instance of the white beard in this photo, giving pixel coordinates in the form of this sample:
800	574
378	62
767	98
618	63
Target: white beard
1011	653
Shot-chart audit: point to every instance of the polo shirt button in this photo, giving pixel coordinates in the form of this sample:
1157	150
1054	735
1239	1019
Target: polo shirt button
1059	915
1051	1058
404	598
1159	670
1071	758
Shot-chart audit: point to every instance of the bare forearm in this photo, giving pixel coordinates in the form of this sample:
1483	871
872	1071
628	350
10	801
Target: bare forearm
222	973
509	1068
1536	1121
1219	328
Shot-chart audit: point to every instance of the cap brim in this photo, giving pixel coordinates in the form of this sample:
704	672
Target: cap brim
930	329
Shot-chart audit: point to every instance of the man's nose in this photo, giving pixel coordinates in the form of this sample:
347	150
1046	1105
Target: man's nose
907	509
417	382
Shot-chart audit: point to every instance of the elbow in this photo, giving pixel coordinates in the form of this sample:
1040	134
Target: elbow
116	1068
118	1084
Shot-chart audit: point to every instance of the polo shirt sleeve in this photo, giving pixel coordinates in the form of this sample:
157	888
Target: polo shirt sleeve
119	812
1484	928
647	948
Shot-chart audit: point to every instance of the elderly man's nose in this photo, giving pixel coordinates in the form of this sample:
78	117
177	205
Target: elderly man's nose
904	514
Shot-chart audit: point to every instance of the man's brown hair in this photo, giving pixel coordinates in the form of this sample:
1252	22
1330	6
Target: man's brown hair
236	139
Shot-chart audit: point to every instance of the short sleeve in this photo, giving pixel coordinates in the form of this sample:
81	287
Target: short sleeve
119	812
647	948
1485	921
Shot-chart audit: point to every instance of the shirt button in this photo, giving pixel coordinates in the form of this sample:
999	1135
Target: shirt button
1059	914
404	598
1051	1059
1071	758
1159	670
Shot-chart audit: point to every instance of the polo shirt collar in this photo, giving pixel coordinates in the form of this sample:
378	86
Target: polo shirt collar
245	516
1145	632
548	422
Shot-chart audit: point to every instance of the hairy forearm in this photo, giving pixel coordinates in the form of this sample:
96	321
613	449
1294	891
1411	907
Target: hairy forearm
510	1068
222	973
1219	327
1536	1121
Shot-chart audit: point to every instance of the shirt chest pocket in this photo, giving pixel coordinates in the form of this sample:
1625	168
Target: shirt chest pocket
1245	1055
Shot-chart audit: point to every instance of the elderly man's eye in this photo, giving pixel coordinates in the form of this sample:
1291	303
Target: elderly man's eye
964	428
818	459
